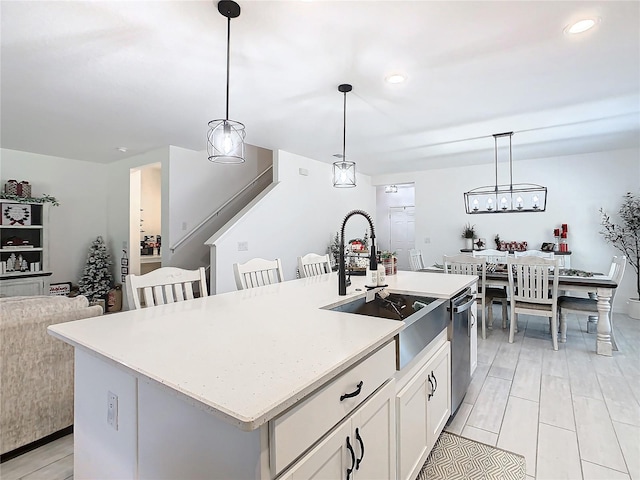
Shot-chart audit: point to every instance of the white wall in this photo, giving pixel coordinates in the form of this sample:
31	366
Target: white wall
81	189
578	186
197	187
300	215
118	203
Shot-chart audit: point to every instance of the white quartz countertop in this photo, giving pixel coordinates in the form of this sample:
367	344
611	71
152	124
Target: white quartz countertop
247	356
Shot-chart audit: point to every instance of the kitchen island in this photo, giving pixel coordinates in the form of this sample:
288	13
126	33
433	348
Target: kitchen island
213	387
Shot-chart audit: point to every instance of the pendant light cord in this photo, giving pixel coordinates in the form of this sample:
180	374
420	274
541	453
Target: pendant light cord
228	42
495	142
510	165
344	129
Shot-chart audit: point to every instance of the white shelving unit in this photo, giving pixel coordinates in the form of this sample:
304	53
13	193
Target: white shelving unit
34	230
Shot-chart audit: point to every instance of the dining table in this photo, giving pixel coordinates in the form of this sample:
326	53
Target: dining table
600	285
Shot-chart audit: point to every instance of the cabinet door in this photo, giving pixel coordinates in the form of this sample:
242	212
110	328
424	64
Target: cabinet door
473	333
374	429
329	459
341	456
411	404
439	396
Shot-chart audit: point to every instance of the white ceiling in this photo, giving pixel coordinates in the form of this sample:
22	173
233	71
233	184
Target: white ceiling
81	78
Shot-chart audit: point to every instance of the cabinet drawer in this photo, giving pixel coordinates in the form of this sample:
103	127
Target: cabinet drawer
299	428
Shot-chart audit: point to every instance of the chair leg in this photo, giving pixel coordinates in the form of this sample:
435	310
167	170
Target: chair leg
554	332
484	328
504	313
490	316
512	328
563	327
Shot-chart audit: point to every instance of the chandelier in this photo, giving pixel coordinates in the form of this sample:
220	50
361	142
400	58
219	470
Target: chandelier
514	197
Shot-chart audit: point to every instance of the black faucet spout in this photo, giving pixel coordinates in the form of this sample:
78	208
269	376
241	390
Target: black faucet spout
373	262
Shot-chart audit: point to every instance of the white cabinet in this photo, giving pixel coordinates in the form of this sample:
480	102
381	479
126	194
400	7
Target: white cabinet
299	428
439	397
24	235
361	447
423	408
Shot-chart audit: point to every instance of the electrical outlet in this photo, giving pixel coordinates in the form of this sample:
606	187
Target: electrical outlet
184	225
427	240
112	410
243	246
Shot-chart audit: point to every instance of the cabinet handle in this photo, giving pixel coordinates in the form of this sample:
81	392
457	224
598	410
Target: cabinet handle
353	459
436	382
352	394
433	389
359	438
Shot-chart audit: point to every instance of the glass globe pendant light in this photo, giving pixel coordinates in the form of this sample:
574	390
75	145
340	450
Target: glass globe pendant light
225	140
344	172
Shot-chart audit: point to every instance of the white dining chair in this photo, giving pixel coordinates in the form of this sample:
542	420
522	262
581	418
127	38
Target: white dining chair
589	306
495	259
165	285
533	289
257	272
416	262
312	264
468	265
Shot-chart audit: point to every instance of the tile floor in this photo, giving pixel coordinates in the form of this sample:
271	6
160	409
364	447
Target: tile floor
571	413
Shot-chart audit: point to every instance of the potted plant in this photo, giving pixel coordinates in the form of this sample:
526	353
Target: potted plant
468	233
390	262
625	236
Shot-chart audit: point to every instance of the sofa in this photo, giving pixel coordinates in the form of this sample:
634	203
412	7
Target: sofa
36	369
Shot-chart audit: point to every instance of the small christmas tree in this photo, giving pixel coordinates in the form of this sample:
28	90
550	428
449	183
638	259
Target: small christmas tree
96	278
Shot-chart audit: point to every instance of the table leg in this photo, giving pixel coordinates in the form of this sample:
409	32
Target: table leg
603	340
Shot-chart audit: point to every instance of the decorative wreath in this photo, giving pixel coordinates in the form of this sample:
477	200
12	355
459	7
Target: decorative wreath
16	214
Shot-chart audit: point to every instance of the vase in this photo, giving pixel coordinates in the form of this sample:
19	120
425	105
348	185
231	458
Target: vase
468	243
634	308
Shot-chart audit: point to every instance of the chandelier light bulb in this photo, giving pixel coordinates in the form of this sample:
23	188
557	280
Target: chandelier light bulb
490	204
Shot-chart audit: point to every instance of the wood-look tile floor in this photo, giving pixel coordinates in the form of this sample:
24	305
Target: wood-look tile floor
571	413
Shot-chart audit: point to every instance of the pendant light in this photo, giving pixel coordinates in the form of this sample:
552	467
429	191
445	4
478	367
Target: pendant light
344	172
225	140
518	197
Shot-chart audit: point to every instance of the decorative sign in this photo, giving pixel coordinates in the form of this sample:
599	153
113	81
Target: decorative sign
16	214
62	289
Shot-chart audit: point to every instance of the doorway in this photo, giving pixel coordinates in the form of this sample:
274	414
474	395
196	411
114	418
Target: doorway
402	233
145	218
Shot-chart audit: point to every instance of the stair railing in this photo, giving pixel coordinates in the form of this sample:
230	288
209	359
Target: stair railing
217	212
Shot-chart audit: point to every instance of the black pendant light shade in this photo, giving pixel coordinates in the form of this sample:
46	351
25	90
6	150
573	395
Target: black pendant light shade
344	172
225	140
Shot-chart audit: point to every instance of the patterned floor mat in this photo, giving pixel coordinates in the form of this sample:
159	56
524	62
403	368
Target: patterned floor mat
454	457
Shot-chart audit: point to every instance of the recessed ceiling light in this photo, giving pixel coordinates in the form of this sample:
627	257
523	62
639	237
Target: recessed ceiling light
122	149
581	25
396	78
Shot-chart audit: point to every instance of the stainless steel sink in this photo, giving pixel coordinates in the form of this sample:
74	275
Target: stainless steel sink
423	323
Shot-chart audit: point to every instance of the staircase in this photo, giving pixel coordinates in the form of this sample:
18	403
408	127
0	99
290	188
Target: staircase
190	252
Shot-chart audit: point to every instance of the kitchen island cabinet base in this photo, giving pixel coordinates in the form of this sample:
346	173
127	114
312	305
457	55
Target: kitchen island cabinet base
158	435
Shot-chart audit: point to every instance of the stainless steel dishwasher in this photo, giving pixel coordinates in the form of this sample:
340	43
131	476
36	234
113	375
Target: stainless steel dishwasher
461	323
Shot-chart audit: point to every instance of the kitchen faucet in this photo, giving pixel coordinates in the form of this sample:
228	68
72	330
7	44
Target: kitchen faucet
373	263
